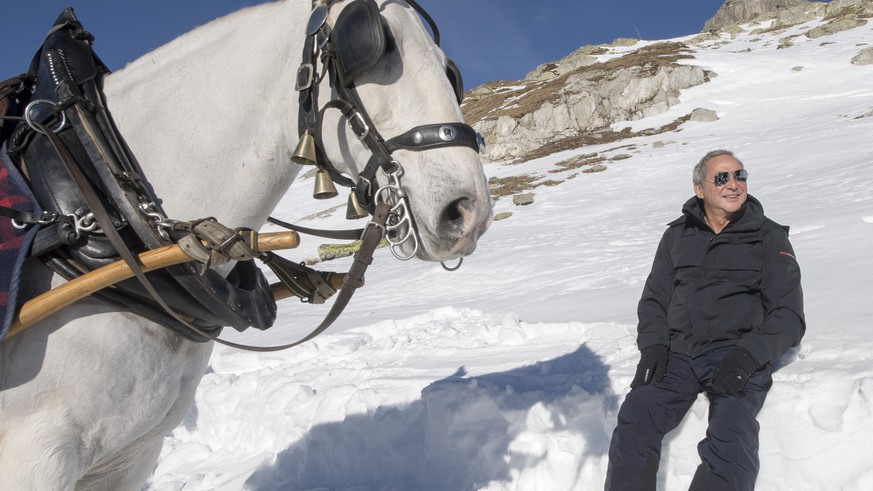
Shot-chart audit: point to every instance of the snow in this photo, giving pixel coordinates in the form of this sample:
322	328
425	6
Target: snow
508	374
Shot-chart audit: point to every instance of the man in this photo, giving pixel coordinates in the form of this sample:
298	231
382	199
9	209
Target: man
722	302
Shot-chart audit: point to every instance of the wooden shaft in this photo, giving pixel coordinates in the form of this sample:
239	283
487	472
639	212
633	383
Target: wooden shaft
48	303
281	292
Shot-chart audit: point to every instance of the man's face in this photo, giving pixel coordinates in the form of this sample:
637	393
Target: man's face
725	200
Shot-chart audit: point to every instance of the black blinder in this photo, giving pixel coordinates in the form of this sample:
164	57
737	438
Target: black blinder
359	39
454	74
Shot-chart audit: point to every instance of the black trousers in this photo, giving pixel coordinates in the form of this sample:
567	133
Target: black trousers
729	453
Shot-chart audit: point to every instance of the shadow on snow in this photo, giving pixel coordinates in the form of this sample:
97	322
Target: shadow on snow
464	432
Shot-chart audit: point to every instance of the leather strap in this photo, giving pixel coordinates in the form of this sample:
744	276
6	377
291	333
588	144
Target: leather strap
354	279
353	234
105	222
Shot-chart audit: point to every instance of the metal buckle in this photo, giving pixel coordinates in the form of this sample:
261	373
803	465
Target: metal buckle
305	75
364	129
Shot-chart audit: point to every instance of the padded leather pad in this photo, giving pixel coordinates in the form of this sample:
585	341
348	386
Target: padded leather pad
359	39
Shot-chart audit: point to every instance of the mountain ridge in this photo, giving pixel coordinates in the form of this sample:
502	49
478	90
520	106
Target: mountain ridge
581	97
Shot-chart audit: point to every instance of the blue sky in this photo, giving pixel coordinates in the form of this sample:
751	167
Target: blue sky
489	39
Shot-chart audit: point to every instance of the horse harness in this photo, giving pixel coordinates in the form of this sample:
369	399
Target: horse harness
358	40
94	206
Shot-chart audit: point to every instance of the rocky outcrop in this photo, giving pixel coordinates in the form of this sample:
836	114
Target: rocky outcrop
579	97
842	7
840	14
743	11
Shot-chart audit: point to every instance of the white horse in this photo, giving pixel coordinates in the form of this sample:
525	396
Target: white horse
88	394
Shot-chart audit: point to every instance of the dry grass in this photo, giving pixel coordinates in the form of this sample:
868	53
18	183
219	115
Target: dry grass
592	162
507	186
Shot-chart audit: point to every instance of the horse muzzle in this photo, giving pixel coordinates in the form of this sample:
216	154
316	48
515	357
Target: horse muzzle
457	230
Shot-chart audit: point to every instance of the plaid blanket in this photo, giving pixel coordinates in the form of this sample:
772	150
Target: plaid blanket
14	243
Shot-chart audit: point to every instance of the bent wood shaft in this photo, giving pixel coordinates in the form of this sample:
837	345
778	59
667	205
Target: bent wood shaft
40	307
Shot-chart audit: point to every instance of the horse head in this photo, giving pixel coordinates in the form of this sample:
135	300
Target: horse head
397	127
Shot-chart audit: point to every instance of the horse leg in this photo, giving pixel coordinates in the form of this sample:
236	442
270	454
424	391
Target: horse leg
39	454
87	396
126	471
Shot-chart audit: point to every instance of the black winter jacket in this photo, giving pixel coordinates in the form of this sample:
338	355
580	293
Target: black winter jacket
738	288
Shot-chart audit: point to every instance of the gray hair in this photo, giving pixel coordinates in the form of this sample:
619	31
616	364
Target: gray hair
698	175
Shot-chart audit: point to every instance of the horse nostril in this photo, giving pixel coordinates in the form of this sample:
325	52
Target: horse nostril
456	210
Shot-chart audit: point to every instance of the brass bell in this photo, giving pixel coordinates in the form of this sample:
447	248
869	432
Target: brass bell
354	210
324	188
304	154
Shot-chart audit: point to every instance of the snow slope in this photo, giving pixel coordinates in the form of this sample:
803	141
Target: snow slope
507	374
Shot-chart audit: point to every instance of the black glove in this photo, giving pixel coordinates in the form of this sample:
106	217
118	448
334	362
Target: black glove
733	372
652	366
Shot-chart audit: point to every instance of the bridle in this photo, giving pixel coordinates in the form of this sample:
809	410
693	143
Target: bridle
357	41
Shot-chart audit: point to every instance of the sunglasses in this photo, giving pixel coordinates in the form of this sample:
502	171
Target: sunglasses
722	178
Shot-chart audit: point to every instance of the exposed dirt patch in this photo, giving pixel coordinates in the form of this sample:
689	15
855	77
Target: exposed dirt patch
588	162
598	138
577	161
507	186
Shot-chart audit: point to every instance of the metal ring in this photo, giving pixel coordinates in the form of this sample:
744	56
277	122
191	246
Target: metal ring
18	225
35	126
87	223
460	262
396	247
394	172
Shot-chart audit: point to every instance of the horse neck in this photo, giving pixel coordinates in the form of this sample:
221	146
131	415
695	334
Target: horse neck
212	116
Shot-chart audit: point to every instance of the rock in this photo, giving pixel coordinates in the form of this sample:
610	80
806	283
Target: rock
744	11
837	25
704	37
502	216
704	115
523	199
594	168
865	57
624	42
548	71
836	7
480	91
